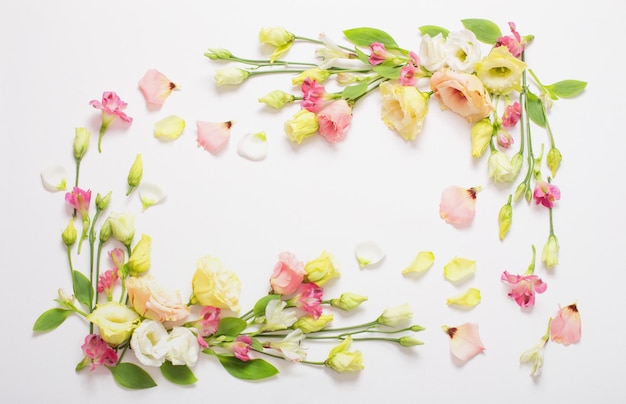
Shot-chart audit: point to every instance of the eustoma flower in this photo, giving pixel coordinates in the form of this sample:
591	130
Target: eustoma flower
97	352
287	275
546	194
112	107
524	287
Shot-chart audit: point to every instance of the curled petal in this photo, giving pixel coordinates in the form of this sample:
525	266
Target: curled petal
155	87
422	262
459	269
369	253
470	298
458	205
565	327
253	146
54	179
465	341
169	128
213	136
150	194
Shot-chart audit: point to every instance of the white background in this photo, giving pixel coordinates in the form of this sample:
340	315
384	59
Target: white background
57	56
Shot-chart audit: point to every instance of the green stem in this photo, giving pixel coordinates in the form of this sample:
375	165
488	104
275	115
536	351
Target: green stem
103	128
77	172
348	328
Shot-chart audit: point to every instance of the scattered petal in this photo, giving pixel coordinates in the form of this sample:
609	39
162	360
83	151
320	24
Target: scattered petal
150	194
458	205
459	268
253	146
213	136
465	341
470	298
565	327
169	128
155	87
422	262
54	179
369	253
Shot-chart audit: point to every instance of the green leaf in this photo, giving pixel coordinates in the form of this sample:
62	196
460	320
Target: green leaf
231	326
132	376
351	93
179	374
51	319
254	369
362	56
365	36
388	71
566	88
261	304
486	31
82	288
433	30
535	109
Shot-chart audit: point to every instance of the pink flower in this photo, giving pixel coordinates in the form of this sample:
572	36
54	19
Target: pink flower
107	281
111	106
117	257
155	87
241	346
408	73
465	341
458	205
309	299
511	115
208	324
312	95
334	120
546	193
379	53
213	136
98	351
565	328
512	42
288	274
504	138
524	288
79	200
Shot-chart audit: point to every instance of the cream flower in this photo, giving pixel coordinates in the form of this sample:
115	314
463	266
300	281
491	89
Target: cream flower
462	51
122	227
500	72
182	347
404	109
290	346
392	316
149	343
214	285
500	168
276	317
115	321
432	53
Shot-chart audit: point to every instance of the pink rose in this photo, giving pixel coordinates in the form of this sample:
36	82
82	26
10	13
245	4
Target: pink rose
334	120
288	274
461	93
153	301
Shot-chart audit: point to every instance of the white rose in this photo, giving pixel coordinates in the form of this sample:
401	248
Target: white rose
150	343
182	347
432	54
462	51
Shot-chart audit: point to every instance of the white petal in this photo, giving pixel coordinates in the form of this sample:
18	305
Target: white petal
369	253
54	179
253	146
150	194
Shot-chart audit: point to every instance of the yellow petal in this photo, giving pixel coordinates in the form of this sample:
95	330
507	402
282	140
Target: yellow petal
169	128
459	268
421	263
470	298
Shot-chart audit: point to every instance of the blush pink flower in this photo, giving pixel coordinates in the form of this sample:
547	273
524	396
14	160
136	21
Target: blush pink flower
513	42
213	136
409	72
379	53
241	347
98	352
334	120
309	299
465	342
565	327
511	115
288	274
458	205
155	87
312	95
207	325
79	200
524	288
112	107
546	193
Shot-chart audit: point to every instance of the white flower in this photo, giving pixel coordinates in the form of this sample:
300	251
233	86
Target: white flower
462	51
395	315
54	179
253	146
330	53
535	355
276	318
290	346
149	342
499	167
432	53
182	347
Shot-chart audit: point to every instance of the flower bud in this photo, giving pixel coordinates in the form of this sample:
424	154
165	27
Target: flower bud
550	254
302	125
317	74
348	301
500	168
277	99
519	191
482	132
308	324
135	174
105	231
276	36
231	75
553	160
69	234
139	260
102	202
505	217
218	54
395	315
122	227
81	142
409	341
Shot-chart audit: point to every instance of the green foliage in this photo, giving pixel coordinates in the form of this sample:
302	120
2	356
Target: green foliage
82	288
131	376
566	89
535	109
365	36
178	374
51	319
388	71
354	91
254	369
486	31
231	327
433	31
261	304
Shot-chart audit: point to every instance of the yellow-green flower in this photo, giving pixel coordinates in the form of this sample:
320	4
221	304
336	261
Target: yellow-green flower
505	217
231	76
500	71
341	360
277	99
308	324
322	269
122	227
139	260
550	254
279	38
115	321
69	235
81	143
135	174
214	285
348	301
301	126
393	316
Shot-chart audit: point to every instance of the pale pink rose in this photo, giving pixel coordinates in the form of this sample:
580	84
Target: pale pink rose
565	327
288	274
334	120
458	205
155	87
465	342
461	93
153	301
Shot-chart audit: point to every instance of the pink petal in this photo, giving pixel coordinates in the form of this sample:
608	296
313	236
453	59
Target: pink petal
458	205
213	136
465	341
155	87
565	327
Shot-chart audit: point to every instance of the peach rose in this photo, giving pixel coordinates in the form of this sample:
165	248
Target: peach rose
461	93
288	274
155	302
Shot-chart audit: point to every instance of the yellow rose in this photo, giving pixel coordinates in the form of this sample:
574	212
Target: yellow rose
214	285
500	71
403	109
115	321
153	301
461	93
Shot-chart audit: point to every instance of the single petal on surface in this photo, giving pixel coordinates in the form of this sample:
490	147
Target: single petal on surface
565	327
422	262
470	298
458	205
155	87
169	128
253	146
150	194
465	342
369	253
54	179
459	269
213	136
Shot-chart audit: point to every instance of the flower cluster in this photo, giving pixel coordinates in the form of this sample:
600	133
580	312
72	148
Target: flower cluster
125	307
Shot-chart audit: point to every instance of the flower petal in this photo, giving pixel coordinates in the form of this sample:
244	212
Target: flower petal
150	194
155	87
213	136
470	298
169	128
459	269
422	262
565	327
253	146
54	179
458	205
369	253
465	342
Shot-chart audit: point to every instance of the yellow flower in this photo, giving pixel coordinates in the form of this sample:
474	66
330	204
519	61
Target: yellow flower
169	128
500	71
505	218
139	260
322	269
459	268
403	109
470	298
279	38
341	360
115	321
214	285
302	125
421	263
135	174
482	132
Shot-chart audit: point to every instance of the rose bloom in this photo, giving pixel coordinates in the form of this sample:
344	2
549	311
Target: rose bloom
115	321
334	121
153	301
182	347
214	285
288	274
403	109
461	93
500	72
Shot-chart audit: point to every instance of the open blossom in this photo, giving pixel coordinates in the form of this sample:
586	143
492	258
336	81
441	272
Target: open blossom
432	53
465	342
312	95
155	87
461	93
276	317
330	53
288	274
309	299
182	347
410	72
214	285
512	42
112	107
565	327
546	193
341	360
98	352
149	343
207	324
79	200
500	167
302	125
241	347
115	321
334	120
404	109
107	282
500	72
122	227
153	301
290	346
462	51
524	287
458	205
278	37
512	115
321	269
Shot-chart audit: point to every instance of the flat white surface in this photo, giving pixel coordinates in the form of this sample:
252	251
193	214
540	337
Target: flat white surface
57	56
